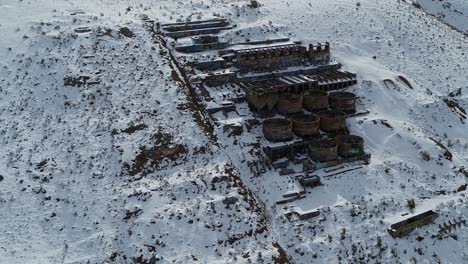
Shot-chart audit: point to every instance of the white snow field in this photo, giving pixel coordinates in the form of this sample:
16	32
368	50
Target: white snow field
122	170
454	12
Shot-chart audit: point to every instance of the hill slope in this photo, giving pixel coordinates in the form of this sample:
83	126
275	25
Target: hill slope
120	169
454	12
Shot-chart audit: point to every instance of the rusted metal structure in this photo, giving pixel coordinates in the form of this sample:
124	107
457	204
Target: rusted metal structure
226	106
321	77
334	80
271	75
205	39
332	121
201	47
211	65
261	98
308	72
202	27
350	145
306	125
295	84
269	57
284	84
326	164
302	215
315	101
319	54
264	89
280	156
310	181
220	77
407	226
203	43
343	101
265	41
289	103
287	150
264	94
277	129
323	150
186	25
296	196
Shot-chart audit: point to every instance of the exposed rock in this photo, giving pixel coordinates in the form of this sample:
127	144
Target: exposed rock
230	200
125	31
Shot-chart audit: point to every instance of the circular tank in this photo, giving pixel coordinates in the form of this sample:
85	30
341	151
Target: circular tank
323	150
277	129
261	99
332	121
289	103
350	145
305	125
315	101
342	101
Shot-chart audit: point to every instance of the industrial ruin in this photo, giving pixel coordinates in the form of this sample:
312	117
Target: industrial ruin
407	226
293	96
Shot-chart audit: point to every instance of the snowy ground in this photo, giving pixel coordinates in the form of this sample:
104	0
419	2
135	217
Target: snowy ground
68	153
454	12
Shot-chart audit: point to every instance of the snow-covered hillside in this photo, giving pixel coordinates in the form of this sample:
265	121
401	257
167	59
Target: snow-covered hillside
105	158
74	186
454	12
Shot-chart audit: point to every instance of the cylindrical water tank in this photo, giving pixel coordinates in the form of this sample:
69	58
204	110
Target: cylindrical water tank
332	121
342	101
289	103
315	101
323	150
277	129
350	145
305	125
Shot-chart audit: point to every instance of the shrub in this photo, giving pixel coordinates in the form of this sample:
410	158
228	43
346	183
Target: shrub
425	155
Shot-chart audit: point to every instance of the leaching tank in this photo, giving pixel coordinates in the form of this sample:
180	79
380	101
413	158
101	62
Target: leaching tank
277	129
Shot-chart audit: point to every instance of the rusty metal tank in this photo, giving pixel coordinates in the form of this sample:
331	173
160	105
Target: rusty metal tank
306	125
277	129
350	145
323	150
315	101
332	121
261	99
342	101
289	103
